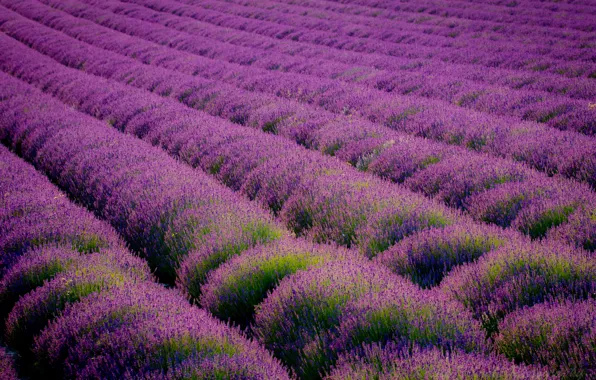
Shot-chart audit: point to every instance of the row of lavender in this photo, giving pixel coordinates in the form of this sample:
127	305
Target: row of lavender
534	16
232	16
499	192
309	320
433	24
566	153
75	303
558	111
534	105
575	88
392	32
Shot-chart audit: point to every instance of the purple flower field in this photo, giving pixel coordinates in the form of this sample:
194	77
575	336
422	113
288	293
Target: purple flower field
298	189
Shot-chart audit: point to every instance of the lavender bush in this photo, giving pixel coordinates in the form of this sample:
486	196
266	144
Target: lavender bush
560	336
395	361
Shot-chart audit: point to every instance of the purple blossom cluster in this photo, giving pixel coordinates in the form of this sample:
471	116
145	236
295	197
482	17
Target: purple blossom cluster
152	331
236	287
297	320
243	189
518	275
7	369
427	256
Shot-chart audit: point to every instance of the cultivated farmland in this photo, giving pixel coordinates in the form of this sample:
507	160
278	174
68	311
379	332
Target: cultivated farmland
297	189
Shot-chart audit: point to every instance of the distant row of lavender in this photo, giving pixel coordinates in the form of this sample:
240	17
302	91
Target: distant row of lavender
437	24
440	25
120	318
533	16
552	151
388	33
77	304
498	192
558	111
523	60
291	50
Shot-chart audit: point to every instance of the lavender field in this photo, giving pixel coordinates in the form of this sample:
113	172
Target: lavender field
298	189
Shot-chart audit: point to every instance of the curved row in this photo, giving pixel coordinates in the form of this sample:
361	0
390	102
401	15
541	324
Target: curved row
555	110
390	32
521	61
563	152
492	191
532	105
466	10
442	25
60	304
35	214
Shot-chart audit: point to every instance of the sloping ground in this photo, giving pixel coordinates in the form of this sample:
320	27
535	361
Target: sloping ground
297	189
